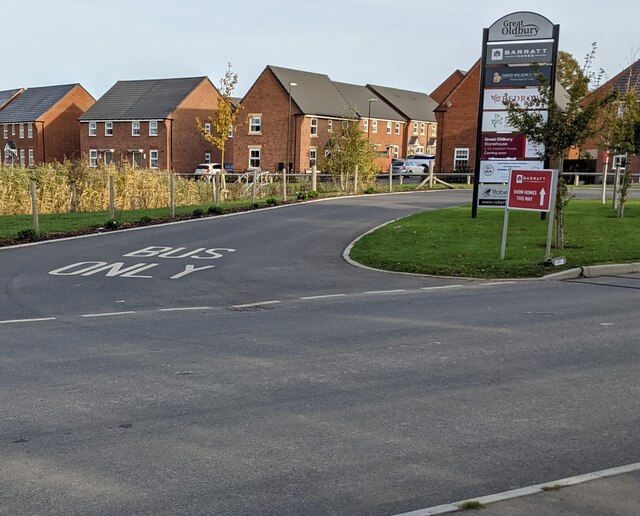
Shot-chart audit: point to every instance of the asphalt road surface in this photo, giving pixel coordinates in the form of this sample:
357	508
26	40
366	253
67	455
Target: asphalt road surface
238	365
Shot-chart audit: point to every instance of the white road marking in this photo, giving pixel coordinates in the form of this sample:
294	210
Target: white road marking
322	297
28	320
442	287
493	283
185	309
262	303
385	291
108	314
525	491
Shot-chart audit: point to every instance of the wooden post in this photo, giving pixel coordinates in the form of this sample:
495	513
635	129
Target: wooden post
34	207
172	194
355	180
314	178
432	166
216	189
391	180
112	199
74	198
254	186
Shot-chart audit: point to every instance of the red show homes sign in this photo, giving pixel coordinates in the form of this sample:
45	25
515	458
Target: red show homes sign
502	146
530	190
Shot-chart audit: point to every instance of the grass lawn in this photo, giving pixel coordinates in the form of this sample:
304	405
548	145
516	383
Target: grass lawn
449	242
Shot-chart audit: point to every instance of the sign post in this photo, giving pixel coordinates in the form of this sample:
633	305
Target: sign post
530	190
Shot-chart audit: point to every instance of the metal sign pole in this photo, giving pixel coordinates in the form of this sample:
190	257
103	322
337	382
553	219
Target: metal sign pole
552	206
503	248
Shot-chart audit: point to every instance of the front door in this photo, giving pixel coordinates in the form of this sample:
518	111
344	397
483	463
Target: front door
137	159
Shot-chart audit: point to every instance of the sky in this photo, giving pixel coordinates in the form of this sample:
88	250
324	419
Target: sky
407	44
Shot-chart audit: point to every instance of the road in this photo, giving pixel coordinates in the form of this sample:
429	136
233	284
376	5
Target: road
284	381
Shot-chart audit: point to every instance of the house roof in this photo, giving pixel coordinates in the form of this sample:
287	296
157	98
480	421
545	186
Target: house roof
7	95
628	79
142	99
446	87
33	103
315	93
358	98
412	104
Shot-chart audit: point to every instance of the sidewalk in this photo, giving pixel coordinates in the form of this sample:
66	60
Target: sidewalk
612	492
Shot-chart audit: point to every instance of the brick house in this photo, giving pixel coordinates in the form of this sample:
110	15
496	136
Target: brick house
457	120
151	124
625	81
40	125
417	109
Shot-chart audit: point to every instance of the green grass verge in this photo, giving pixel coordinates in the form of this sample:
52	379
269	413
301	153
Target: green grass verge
449	242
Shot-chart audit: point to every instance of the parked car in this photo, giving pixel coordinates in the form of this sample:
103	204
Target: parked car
207	170
413	166
396	165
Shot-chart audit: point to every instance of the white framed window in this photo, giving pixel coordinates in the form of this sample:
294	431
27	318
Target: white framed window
153	158
314	127
327	154
207	128
460	158
93	158
374	126
108	128
135	128
22	157
389	127
153	128
329	126
30	130
230	133
93	129
365	125
21	130
415	127
13	129
422	126
207	157
397	127
255	124
434	130
5	131
254	157
32	160
395	151
619	160
313	156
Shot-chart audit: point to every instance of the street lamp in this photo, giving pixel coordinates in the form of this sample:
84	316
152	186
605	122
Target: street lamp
372	99
286	166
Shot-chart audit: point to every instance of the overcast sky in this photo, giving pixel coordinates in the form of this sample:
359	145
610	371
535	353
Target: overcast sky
409	44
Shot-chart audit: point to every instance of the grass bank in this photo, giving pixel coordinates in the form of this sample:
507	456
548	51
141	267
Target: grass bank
448	242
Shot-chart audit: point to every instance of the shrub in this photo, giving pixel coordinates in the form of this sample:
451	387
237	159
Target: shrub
146	220
197	212
370	190
302	196
255	206
271	201
111	224
313	194
215	210
27	235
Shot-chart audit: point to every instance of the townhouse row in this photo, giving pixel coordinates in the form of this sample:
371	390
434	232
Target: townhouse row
285	121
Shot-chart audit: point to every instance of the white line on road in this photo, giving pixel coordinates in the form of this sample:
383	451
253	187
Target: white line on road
28	320
385	291
323	297
185	309
262	303
108	314
493	283
442	287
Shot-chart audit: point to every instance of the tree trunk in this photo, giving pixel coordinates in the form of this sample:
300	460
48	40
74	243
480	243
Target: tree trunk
561	201
624	191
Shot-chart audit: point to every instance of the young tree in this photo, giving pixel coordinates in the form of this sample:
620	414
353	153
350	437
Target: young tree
346	150
566	127
223	118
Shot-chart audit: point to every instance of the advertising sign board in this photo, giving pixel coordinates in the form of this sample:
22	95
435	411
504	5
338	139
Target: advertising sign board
522	97
520	53
493	196
530	190
496	122
502	146
516	76
519	26
498	171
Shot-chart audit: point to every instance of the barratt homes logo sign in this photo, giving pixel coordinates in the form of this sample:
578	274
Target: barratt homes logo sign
519	26
520	53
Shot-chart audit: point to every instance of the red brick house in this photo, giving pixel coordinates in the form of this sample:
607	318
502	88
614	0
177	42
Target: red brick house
151	124
417	109
40	125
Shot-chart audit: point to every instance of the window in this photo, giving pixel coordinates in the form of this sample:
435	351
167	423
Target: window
327	154
135	128
207	128
397	127
329	126
365	125
314	127
254	157
434	130
13	129
619	160
422	128
395	151
31	158
93	158
153	128
388	127
29	130
461	159
107	157
374	126
207	157
255	125
108	128
22	157
313	156
230	133
6	131
415	127
153	159
93	128
21	130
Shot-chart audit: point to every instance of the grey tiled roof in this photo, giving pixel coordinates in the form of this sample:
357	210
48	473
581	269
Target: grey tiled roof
315	94
33	103
7	95
412	104
358	98
628	79
142	100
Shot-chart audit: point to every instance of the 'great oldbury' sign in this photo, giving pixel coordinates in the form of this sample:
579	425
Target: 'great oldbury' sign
519	26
